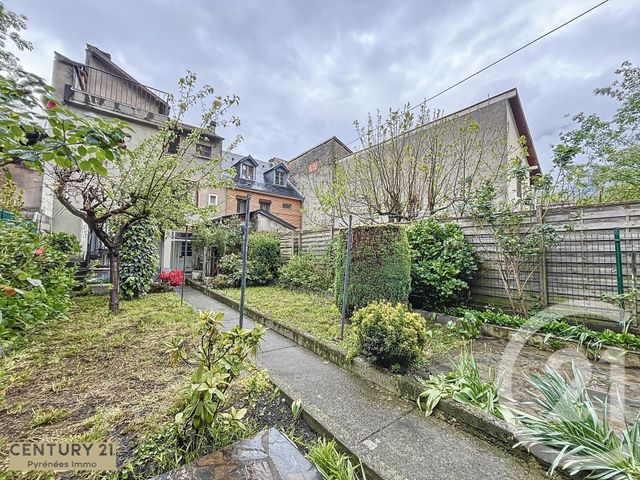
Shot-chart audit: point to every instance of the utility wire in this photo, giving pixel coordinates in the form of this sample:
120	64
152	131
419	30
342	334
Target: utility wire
478	72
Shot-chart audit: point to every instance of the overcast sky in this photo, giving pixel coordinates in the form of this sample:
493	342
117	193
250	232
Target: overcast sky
305	70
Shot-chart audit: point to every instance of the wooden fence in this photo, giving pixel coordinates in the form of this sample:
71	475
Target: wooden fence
579	271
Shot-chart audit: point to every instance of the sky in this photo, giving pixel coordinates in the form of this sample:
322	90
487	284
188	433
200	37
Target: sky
305	70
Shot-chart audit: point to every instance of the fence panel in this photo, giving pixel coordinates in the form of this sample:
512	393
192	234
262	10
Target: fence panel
580	270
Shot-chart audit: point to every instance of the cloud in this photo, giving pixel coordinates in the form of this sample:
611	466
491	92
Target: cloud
306	70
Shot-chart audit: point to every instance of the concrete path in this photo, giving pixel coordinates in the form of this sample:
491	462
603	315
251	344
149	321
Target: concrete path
389	435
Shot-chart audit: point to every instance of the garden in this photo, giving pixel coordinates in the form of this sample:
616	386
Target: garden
410	315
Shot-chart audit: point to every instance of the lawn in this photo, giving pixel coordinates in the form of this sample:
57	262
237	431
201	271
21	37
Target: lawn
319	316
309	312
98	377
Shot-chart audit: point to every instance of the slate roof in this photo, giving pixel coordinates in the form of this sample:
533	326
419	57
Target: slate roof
260	184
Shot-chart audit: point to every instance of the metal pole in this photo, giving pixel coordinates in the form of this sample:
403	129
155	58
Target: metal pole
184	262
245	250
616	238
347	260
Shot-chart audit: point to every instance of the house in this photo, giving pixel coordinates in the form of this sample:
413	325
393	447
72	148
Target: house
98	86
501	123
274	202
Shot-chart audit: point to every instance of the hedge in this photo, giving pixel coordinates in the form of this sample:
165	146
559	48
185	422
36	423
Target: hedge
380	268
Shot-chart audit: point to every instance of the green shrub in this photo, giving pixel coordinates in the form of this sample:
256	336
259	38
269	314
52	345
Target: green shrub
138	259
35	282
442	264
231	267
305	272
380	268
219	359
264	248
390	336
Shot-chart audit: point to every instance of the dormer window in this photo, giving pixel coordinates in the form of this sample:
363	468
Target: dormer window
247	171
280	178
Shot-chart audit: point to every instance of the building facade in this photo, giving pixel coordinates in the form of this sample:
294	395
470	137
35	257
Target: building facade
100	87
499	125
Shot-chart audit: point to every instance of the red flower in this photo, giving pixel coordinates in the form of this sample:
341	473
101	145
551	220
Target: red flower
39	251
51	104
175	277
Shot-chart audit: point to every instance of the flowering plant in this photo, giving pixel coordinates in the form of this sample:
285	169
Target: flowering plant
174	278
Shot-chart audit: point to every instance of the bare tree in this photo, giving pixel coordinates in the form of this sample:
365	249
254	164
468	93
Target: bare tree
413	164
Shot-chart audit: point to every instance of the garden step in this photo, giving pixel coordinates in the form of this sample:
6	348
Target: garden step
389	435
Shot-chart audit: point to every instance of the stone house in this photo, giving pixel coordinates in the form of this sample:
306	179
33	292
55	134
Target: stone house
501	123
100	87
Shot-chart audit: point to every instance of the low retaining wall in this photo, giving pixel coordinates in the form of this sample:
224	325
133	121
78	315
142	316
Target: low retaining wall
473	420
609	354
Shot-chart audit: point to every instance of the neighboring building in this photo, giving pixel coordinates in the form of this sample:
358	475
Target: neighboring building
501	123
100	87
275	203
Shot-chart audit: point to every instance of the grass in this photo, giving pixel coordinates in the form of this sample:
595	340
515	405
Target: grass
94	376
309	312
319	316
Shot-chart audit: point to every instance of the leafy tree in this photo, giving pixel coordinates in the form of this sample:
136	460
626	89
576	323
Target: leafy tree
35	128
148	182
602	155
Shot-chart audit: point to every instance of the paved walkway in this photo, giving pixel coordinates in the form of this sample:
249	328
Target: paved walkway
390	435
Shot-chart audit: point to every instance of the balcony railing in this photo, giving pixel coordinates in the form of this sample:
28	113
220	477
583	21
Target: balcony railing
118	91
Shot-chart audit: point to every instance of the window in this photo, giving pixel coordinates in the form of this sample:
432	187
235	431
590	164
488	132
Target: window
286	206
213	199
242	202
280	177
246	171
265	205
203	150
313	166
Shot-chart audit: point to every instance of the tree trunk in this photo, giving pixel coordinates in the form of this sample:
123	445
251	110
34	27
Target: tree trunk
114	270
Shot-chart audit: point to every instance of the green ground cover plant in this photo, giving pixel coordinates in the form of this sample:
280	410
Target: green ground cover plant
96	377
306	311
333	465
592	339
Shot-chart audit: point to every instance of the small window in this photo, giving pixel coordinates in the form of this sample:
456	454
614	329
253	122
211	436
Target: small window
242	202
286	206
213	199
313	166
280	178
265	205
246	171
203	150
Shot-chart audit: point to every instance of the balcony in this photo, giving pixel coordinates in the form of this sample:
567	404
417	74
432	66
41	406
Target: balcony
104	91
